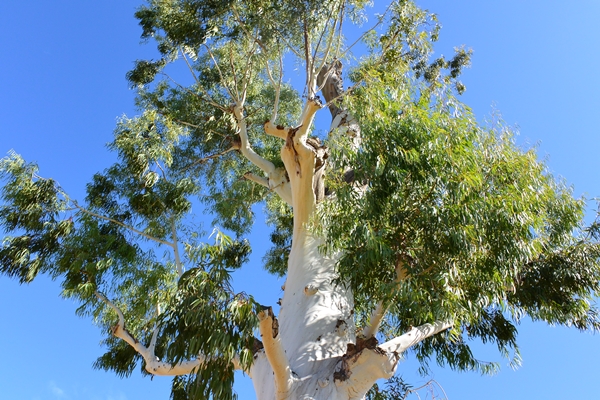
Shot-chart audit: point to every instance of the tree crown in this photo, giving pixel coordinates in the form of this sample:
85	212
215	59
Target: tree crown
434	215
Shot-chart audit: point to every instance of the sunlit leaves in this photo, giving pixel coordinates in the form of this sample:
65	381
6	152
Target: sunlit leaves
206	317
144	72
436	216
189	23
453	217
31	211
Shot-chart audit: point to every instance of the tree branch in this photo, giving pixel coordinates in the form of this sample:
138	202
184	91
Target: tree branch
189	66
277	86
269	332
372	327
128	227
223	81
277	178
277	182
339	18
366	32
153	363
307	59
331	83
257	179
276	130
178	263
205	159
366	362
299	160
245	148
208	100
414	336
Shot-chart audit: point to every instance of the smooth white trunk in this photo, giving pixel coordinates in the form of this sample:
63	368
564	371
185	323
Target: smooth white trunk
315	326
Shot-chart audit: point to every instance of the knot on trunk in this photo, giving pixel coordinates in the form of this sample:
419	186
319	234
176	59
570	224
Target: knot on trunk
257	346
353	351
362	343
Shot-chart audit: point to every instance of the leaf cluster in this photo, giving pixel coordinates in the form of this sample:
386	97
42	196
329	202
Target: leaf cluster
32	209
456	222
208	318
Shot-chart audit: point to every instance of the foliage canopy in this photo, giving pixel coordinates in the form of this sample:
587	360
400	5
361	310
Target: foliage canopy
444	218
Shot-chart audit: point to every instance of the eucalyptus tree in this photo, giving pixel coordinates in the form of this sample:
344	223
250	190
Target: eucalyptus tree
403	225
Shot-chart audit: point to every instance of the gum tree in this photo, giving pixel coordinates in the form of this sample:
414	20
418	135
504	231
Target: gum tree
404	224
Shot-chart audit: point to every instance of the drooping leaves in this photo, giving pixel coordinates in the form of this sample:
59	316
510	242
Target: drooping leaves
32	208
206	317
444	219
456	222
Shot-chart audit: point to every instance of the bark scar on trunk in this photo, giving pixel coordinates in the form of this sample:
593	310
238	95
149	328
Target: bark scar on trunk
289	143
267	312
321	155
353	351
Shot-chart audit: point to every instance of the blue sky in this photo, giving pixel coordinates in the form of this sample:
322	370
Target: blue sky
62	86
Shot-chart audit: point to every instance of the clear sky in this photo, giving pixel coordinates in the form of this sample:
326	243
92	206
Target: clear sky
62	86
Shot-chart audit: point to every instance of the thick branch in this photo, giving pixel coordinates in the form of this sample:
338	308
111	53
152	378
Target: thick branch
269	332
257	179
332	87
276	130
153	363
277	182
414	336
362	367
277	179
299	160
245	148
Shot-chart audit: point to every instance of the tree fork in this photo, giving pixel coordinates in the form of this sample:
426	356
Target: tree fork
299	161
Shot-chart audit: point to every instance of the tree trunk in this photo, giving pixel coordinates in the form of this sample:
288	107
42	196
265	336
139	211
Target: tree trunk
315	326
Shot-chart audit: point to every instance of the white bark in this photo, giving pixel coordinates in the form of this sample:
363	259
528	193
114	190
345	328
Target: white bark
317	336
374	322
367	365
315	326
276	177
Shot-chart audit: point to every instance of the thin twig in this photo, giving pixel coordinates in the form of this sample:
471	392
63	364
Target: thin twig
309	73
220	73
379	22
235	82
178	264
205	159
207	100
327	48
189	66
430	384
128	227
248	73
